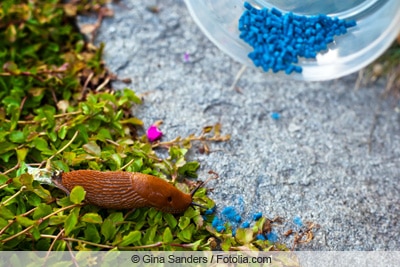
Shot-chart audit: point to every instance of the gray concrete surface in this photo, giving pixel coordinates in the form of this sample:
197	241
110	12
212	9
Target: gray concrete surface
332	158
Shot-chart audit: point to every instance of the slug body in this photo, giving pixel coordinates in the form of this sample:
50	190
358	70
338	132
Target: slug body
127	190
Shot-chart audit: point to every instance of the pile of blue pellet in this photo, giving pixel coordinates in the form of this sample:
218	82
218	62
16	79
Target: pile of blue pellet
231	216
280	39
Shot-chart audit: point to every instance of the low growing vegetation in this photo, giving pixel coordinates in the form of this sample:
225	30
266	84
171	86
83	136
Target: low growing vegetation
59	112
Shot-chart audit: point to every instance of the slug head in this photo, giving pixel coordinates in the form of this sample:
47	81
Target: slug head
161	194
171	201
175	202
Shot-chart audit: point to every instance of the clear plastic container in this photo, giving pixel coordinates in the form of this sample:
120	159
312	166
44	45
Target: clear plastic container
378	24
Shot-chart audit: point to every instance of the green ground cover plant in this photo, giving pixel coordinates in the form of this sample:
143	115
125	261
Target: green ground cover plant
58	111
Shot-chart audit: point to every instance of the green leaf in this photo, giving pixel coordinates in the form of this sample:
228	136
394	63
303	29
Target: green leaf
64	202
6	156
52	135
195	245
117	159
47	113
3	223
26	222
11	33
170	219
33	199
167	236
83	134
17	137
157	219
53	47
69	156
108	229
62	132
130	238
244	235
26	179
104	134
177	153
77	194
35	233
149	235
41	211
11	67
3	179
186	234
191	212
131	96
94	125
92	148
40	144
57	219
183	222
137	165
116	217
92	234
71	220
189	169
198	220
21	154
42	193
91	218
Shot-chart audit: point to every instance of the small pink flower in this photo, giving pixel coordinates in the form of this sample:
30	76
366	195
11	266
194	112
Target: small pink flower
186	57
153	133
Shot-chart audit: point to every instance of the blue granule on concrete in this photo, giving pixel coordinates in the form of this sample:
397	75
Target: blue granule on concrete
280	39
231	217
230	213
257	216
272	236
245	225
297	221
275	115
217	222
210	211
220	228
260	237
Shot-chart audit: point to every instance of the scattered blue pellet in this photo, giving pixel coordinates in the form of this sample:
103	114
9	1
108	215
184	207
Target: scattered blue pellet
297	221
231	217
257	216
272	236
279	39
230	213
245	225
220	228
275	115
217	222
238	218
210	211
260	237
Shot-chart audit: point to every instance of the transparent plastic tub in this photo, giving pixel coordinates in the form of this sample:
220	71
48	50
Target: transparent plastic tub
378	24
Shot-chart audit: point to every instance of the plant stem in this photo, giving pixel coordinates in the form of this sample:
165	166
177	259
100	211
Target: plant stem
13	196
39	222
67	145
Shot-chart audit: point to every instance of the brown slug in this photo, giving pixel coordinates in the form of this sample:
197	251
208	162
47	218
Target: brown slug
126	190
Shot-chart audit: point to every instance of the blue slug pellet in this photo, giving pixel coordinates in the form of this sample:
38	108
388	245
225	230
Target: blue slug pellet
280	39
